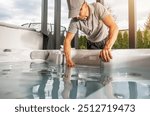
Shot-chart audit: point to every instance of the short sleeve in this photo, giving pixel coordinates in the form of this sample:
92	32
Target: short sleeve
101	10
72	26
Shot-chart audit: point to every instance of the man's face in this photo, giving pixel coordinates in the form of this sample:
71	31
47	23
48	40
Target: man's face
83	15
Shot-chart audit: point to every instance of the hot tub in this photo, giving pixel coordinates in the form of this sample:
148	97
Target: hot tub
30	74
18	37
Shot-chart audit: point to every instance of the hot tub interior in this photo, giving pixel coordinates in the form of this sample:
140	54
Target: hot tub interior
41	75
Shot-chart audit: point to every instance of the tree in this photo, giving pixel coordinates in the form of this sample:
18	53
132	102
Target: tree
146	39
147	24
82	42
118	42
140	43
125	41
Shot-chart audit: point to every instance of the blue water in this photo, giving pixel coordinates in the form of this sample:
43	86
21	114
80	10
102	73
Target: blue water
45	80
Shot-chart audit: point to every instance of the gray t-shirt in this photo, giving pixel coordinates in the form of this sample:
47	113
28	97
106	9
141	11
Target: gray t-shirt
93	27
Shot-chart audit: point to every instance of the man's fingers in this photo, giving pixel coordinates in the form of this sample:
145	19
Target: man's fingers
105	55
70	64
101	56
110	55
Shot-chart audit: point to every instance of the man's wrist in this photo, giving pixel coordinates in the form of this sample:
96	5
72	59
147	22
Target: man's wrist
107	48
68	58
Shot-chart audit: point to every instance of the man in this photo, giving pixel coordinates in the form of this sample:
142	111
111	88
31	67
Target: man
96	22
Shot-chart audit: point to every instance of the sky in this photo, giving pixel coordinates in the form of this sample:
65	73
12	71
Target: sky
19	12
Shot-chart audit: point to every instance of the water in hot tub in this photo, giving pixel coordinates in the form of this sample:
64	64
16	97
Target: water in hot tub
45	80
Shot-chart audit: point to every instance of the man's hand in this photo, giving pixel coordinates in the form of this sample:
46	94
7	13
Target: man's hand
109	21
105	55
70	63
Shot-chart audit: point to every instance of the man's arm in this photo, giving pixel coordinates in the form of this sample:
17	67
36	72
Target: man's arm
67	49
105	54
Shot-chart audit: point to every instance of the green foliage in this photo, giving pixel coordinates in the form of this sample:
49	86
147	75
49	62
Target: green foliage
140	42
118	42
125	40
82	42
146	39
122	41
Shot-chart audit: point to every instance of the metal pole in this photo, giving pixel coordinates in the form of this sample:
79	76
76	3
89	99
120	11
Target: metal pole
57	24
44	11
132	24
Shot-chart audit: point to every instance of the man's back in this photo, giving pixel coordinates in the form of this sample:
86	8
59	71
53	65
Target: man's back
93	27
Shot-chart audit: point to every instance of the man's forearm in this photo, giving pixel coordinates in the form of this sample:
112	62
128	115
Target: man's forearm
113	33
67	49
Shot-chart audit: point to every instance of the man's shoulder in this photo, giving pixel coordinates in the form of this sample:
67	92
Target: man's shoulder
96	4
74	21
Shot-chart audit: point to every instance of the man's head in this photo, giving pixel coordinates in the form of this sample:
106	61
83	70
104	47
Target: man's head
78	9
